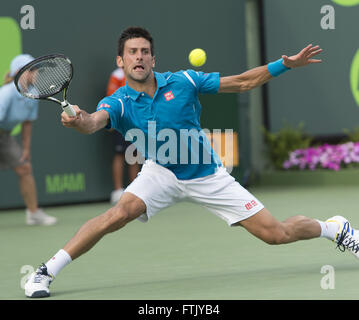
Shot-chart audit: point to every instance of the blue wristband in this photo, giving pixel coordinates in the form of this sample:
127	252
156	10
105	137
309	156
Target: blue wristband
277	67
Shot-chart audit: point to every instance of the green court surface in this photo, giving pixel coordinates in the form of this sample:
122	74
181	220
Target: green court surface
185	252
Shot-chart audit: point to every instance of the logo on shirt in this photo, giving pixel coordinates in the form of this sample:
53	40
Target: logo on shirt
169	96
250	205
104	105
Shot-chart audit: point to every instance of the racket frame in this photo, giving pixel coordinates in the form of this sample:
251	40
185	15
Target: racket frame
66	106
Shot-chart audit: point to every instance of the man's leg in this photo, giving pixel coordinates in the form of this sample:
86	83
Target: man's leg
27	185
158	189
265	227
118	164
226	198
34	215
338	229
133	170
127	209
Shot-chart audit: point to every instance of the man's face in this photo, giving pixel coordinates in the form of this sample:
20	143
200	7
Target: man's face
137	61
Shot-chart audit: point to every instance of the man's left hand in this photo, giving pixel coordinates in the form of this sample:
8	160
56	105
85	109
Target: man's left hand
303	58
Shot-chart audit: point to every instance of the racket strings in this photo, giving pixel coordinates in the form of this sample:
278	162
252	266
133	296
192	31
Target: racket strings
46	78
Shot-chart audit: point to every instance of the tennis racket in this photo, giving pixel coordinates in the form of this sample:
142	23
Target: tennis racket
45	77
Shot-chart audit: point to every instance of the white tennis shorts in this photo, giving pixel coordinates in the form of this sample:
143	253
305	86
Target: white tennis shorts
220	193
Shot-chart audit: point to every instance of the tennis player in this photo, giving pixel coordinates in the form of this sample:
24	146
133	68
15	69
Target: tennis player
152	103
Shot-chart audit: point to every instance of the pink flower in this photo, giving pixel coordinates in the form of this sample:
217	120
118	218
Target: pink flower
331	157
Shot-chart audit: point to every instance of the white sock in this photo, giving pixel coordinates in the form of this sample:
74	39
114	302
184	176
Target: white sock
58	262
329	229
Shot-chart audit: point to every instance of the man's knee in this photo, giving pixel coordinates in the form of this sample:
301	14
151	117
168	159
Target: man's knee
115	218
127	209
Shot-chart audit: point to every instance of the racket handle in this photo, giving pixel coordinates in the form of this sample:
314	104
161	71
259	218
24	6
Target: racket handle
69	110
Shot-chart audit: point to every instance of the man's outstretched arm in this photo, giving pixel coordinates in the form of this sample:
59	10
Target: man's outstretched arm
260	75
84	122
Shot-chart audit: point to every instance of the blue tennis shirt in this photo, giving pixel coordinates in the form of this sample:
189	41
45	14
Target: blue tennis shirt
166	128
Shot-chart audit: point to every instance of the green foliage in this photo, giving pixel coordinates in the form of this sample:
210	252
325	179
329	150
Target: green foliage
280	144
352	135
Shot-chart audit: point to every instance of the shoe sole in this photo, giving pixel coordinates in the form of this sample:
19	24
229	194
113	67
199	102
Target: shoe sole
38	294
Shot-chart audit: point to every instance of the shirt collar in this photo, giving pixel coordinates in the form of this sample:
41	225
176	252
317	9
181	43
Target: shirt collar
161	82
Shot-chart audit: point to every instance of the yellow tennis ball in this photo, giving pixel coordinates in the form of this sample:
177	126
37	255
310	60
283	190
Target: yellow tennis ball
197	57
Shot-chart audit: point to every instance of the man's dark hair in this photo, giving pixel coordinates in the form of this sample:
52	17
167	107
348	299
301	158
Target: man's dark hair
131	33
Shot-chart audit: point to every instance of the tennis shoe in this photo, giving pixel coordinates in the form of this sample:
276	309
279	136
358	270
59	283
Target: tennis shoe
37	285
346	238
39	218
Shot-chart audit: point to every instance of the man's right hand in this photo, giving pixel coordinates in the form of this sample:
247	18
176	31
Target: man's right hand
72	122
86	123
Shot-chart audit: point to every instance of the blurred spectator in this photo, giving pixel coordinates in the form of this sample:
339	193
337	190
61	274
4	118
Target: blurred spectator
16	109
